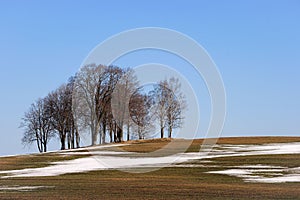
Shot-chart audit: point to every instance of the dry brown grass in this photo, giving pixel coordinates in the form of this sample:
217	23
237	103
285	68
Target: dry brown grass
166	183
257	140
32	161
179	145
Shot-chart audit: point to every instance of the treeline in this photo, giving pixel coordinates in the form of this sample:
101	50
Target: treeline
106	103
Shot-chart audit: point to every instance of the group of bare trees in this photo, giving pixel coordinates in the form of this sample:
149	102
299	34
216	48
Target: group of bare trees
105	102
52	116
170	104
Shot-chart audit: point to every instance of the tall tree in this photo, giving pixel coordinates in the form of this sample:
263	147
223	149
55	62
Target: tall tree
160	96
170	104
59	108
176	104
105	92
126	86
72	130
37	126
92	92
86	91
140	105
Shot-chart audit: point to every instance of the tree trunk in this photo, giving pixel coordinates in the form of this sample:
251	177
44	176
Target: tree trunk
111	134
72	138
94	136
161	132
170	132
119	134
45	146
63	140
115	133
128	132
100	136
77	138
38	145
103	133
69	140
140	134
42	146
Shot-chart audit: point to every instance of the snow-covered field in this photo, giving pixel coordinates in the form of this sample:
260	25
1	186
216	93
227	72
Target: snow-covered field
103	159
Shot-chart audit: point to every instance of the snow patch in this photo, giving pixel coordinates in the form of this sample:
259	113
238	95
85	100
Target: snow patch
263	175
22	188
104	159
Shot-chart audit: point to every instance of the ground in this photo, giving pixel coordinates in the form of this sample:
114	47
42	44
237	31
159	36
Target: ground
179	181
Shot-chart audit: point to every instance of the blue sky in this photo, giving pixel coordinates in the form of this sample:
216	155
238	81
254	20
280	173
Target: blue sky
255	44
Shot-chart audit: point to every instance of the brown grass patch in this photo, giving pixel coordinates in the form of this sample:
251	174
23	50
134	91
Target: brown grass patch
179	145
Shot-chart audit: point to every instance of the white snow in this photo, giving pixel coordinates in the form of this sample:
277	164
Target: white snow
105	159
93	163
94	153
280	179
258	174
260	166
21	188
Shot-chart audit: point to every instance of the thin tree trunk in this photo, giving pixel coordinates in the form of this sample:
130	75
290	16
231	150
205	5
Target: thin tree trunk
103	133
120	134
128	132
111	134
170	132
69	140
72	138
38	145
100	136
77	138
41	145
115	133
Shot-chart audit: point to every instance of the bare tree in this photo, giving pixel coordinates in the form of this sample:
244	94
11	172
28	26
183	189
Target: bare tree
37	126
113	75
160	96
103	99
176	105
140	105
170	105
59	108
85	94
126	86
92	92
72	130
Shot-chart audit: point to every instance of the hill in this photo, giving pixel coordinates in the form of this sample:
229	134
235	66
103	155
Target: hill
236	168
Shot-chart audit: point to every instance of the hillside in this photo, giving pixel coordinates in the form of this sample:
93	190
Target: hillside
236	168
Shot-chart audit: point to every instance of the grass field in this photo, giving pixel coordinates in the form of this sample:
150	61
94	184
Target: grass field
174	182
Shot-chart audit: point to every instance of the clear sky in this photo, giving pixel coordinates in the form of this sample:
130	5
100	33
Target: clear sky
255	44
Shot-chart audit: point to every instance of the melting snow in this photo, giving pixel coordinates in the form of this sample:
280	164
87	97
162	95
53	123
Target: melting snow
21	188
257	175
104	159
